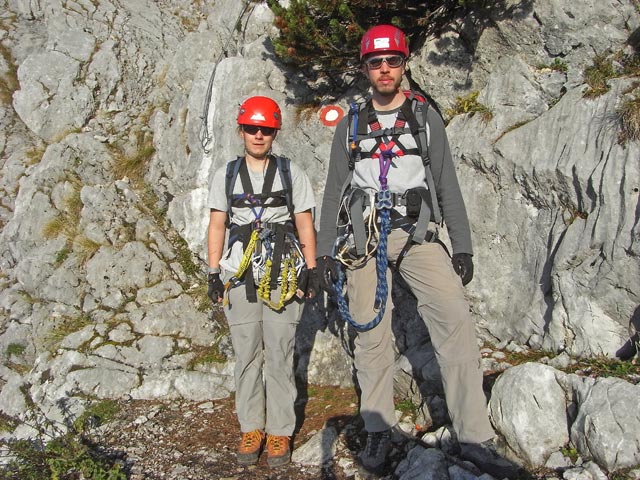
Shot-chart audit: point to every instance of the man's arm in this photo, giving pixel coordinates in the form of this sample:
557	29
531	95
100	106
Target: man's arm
336	175
447	186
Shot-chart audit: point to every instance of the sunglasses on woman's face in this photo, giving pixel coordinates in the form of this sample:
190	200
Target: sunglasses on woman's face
253	130
393	61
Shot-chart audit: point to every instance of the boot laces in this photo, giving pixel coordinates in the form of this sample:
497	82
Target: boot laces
251	440
375	440
277	445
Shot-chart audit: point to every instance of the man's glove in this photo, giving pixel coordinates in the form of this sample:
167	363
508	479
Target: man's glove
463	265
327	273
308	283
216	287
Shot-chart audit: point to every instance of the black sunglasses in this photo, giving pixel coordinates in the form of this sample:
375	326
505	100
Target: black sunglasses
393	61
253	129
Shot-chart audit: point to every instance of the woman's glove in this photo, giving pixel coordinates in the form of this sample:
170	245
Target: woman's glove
308	284
216	288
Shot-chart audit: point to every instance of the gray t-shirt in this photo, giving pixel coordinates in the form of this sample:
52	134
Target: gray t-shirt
301	192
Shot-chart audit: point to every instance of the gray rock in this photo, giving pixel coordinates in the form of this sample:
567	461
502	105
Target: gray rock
528	408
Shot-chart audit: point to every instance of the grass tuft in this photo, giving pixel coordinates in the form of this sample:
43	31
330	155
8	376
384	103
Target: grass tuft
469	104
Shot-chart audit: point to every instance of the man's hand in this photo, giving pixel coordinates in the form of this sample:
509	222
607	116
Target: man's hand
463	265
327	273
308	284
216	288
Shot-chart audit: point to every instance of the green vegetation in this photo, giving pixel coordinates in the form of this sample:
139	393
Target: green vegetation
65	326
66	222
629	116
469	104
406	407
207	355
325	36
15	349
97	414
133	166
558	65
65	457
9	79
607	67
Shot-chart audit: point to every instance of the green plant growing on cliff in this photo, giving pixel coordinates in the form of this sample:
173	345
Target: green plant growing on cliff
607	67
324	36
63	327
629	117
134	166
469	104
8	79
15	349
66	222
97	414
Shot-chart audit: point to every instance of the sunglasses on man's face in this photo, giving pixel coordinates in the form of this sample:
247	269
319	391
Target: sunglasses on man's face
253	130
393	61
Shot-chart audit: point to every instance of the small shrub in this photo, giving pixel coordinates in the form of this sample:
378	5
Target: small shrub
597	76
629	115
469	104
133	166
15	349
99	414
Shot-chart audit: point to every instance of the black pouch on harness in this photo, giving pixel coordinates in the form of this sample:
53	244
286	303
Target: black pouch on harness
414	202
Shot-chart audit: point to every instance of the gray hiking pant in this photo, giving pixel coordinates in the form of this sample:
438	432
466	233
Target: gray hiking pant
263	342
429	274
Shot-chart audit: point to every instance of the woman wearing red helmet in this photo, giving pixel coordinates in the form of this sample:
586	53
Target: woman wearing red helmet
263	276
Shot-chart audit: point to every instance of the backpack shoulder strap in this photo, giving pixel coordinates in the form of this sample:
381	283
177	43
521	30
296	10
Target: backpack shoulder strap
233	167
419	108
284	167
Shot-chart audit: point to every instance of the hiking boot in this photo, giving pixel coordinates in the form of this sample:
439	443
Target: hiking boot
374	455
486	458
278	452
250	447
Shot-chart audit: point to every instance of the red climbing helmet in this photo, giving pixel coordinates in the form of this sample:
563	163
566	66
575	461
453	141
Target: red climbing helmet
384	38
260	111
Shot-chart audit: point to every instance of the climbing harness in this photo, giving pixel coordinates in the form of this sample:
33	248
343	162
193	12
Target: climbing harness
272	255
360	213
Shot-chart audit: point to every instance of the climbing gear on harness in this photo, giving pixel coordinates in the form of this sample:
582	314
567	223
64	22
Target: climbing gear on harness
384	38
422	203
260	111
463	266
272	255
216	287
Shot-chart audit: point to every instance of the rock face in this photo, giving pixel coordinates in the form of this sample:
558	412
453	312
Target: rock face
114	116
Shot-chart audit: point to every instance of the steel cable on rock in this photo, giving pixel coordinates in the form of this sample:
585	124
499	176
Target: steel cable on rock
204	137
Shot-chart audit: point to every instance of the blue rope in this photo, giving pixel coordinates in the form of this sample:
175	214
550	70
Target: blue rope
382	288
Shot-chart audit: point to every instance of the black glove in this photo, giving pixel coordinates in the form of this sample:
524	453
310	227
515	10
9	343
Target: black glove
308	283
463	265
327	273
216	287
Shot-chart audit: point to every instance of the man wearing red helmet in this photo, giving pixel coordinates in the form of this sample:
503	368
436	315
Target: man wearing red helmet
262	277
393	202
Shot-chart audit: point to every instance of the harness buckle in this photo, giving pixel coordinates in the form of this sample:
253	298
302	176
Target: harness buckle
384	199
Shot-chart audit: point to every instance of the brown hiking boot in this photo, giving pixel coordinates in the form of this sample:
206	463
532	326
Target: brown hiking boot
250	447
278	452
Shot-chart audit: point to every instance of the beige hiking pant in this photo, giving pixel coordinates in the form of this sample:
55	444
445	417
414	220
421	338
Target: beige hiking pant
429	274
263	341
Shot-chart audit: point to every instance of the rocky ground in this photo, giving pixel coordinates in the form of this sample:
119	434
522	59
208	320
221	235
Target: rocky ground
197	441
